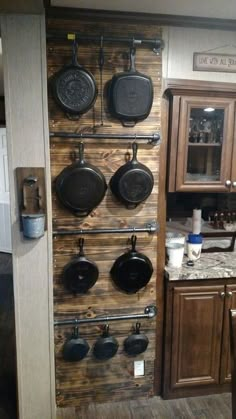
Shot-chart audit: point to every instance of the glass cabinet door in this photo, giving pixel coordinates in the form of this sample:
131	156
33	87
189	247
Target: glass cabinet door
205	143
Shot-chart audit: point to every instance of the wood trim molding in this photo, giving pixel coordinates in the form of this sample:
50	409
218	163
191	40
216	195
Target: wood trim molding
182	86
159	19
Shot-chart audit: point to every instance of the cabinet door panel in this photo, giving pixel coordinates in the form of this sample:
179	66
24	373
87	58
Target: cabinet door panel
205	144
196	339
230	302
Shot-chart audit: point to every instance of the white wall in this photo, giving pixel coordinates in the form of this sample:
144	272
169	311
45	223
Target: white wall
181	43
24	52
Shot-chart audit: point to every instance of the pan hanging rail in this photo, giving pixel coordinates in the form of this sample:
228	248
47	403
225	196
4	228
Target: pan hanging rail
151	228
149	313
153	139
155	43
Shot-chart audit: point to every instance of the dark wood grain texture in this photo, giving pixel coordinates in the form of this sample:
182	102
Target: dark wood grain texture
232	319
91	380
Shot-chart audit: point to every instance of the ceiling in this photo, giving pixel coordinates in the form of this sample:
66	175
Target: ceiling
199	8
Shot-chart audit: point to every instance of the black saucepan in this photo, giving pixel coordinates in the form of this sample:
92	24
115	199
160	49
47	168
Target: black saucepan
75	348
81	186
80	274
106	346
130	94
74	88
132	270
136	343
133	182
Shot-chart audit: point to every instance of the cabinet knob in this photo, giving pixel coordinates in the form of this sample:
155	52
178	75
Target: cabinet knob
222	294
234	184
229	294
228	182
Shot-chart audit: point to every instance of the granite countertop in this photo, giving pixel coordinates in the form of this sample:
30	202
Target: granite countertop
210	265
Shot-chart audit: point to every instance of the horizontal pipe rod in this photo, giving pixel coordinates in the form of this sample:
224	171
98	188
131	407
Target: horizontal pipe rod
65	36
150	228
151	138
149	313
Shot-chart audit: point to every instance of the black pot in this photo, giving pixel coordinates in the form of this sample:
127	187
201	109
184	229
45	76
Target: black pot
75	348
132	270
136	343
132	183
106	346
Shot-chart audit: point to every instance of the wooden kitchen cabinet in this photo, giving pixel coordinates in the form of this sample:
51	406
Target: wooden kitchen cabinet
196	350
202	138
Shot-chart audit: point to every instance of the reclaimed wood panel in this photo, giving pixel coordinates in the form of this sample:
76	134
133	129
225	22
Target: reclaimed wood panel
91	380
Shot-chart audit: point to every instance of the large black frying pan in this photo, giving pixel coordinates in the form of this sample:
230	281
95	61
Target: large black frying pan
81	186
75	348
74	88
136	343
106	346
132	183
80	274
132	270
130	94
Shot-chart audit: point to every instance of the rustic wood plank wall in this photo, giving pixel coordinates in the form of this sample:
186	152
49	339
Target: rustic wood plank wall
90	380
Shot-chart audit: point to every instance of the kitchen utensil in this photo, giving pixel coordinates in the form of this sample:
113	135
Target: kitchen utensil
75	348
130	94
136	343
73	87
80	274
81	186
132	270
106	346
133	182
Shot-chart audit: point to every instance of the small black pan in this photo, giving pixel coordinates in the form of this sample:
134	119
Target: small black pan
75	348
106	346
80	274
132	270
73	87
136	343
130	94
81	186
133	182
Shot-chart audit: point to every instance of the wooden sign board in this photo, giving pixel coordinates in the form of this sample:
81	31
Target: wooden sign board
225	63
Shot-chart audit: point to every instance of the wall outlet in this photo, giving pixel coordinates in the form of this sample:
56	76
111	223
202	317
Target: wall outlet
139	368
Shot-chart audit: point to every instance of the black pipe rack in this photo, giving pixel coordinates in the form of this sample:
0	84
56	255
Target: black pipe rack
149	313
151	228
153	139
156	43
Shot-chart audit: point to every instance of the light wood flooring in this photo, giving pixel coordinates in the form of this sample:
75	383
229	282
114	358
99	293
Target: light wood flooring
208	407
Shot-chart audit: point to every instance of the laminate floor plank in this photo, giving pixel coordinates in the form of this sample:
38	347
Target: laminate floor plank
208	407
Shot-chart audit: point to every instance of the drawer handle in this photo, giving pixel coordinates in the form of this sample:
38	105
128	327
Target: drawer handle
234	184
228	183
229	294
222	294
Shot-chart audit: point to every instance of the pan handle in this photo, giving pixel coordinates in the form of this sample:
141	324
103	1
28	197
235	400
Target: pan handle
137	328
81	246
133	242
74	53
135	151
132	55
81	152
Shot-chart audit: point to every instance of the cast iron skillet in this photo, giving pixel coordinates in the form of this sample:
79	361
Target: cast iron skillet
132	270
80	274
132	183
136	343
106	346
75	348
73	87
130	94
81	186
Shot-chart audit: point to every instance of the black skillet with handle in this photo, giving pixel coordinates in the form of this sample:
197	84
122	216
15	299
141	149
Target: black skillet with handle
133	182
106	346
132	270
75	348
80	274
130	94
81	186
73	87
136	343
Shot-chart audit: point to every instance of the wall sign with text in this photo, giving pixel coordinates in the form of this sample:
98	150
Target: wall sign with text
214	62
